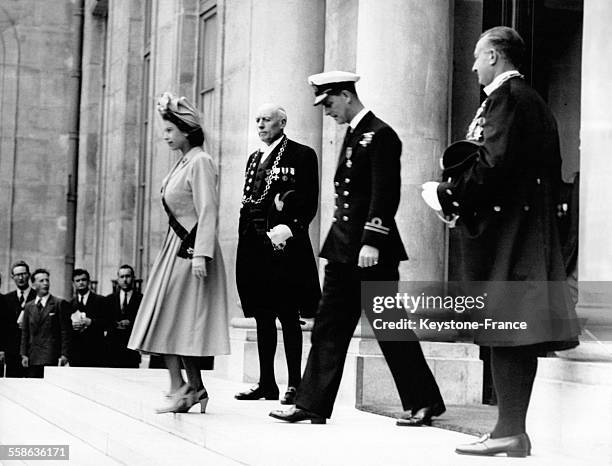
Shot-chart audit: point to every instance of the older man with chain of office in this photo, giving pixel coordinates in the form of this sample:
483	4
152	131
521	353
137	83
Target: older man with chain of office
276	272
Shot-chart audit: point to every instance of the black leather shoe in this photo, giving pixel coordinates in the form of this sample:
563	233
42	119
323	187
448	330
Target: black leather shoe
289	398
257	393
422	417
517	446
296	415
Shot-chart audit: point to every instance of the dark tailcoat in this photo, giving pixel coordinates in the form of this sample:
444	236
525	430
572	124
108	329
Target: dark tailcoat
11	334
46	332
88	345
367	192
368	184
117	353
287	280
507	201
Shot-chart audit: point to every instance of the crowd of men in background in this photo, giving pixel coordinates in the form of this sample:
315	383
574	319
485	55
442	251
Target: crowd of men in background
38	329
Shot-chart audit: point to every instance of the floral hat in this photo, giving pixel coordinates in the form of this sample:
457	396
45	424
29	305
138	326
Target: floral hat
178	111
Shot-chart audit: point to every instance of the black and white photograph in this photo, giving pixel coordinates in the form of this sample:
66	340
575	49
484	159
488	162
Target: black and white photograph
305	232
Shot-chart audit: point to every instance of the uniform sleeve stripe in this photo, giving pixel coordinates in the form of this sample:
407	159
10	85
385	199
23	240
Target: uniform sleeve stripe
382	231
377	226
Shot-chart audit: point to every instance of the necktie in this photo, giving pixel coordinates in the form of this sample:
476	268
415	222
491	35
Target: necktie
124	304
258	159
347	136
21	300
39	305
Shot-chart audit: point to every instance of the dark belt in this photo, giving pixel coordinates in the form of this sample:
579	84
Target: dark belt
187	237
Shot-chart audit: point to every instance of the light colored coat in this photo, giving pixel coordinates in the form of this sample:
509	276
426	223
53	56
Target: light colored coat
181	314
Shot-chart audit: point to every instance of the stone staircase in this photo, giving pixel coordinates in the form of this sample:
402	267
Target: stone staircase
107	417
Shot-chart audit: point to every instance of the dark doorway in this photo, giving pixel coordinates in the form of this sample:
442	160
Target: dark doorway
552	30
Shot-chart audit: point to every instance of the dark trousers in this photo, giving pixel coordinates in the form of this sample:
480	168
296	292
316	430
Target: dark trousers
333	329
514	370
118	355
12	366
35	372
266	347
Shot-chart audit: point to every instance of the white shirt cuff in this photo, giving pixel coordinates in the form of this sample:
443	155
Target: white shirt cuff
430	195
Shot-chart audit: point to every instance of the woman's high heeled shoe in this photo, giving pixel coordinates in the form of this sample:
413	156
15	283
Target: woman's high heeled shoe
181	401
202	398
181	390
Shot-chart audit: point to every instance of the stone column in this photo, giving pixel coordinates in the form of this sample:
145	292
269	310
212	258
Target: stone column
90	136
595	247
273	52
287	40
580	380
116	203
402	51
36	134
404	58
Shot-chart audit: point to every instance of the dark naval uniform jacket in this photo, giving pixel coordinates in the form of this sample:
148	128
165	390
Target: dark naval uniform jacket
46	333
506	198
367	194
284	280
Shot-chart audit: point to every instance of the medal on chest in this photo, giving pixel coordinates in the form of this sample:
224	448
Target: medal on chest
271	176
476	127
349	154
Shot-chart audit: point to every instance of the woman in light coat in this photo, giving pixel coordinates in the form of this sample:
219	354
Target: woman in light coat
183	315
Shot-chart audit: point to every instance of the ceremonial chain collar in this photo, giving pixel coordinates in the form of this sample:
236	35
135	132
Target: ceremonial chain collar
269	178
475	130
500	80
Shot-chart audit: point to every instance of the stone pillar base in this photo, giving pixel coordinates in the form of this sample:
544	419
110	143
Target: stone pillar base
243	362
456	367
366	379
571	409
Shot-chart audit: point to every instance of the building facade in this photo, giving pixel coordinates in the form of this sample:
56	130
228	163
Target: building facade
82	159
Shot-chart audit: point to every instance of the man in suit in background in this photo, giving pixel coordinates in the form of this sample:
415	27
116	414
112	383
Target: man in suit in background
89	321
363	244
12	317
122	307
276	271
46	332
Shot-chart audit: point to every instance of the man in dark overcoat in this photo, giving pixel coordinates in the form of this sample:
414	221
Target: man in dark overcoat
89	322
12	317
363	244
46	332
505	203
121	308
276	272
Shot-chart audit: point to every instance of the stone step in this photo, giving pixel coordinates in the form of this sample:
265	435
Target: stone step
108	431
20	426
243	431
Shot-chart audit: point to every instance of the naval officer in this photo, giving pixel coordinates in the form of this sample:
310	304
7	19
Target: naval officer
363	244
